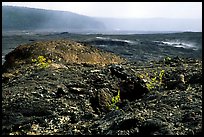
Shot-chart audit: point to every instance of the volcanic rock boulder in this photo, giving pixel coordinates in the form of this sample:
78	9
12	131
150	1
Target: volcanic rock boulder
131	87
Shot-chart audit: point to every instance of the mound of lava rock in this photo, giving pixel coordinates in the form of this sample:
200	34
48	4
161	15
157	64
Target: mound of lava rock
59	52
73	95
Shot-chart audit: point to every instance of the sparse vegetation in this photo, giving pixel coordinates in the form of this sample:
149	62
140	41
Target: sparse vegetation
41	62
154	80
114	102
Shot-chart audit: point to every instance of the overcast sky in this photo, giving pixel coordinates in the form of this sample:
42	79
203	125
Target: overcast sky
123	9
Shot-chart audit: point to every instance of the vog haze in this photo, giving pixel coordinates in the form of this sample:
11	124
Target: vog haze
189	10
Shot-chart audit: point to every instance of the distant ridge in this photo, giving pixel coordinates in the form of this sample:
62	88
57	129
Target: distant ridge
153	24
22	18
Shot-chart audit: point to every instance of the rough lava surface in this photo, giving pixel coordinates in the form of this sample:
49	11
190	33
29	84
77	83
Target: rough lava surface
73	94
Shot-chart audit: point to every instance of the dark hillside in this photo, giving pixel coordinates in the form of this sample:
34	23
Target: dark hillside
21	18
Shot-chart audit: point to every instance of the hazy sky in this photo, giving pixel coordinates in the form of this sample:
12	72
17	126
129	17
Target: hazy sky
123	9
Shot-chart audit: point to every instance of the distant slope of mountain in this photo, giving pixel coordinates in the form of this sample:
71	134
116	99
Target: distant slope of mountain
152	24
21	18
